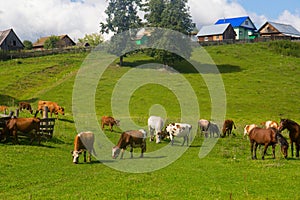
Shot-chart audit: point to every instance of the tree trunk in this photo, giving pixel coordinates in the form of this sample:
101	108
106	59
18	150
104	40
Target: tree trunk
121	60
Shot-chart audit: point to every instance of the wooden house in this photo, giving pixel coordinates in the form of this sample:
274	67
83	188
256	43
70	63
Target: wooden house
10	41
64	41
243	26
279	31
219	32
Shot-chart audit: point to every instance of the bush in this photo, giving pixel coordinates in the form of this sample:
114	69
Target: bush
285	47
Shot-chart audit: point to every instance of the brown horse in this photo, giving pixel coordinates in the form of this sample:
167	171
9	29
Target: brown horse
24	125
294	133
265	137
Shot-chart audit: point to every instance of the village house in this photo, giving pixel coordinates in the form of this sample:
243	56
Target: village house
243	26
279	31
64	41
9	41
219	32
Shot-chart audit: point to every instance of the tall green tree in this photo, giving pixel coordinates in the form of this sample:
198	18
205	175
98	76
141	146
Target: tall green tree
51	42
93	39
28	44
174	15
122	15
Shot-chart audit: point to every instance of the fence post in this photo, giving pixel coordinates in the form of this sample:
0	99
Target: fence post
45	112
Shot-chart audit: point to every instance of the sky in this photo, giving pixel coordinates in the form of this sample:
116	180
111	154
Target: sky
32	19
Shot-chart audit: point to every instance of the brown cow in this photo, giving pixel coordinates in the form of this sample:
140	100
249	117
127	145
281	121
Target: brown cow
3	109
52	107
24	125
25	106
227	127
109	121
136	138
83	142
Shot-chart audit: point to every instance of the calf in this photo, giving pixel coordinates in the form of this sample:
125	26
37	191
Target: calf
179	130
227	127
83	142
25	106
248	128
203	125
52	108
135	138
24	125
109	121
155	124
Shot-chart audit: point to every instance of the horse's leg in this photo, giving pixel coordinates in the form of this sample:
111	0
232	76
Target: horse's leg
273	150
265	150
297	150
89	156
292	148
252	153
131	152
15	134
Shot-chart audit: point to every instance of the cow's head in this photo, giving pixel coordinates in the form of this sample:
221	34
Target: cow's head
115	152
75	155
61	110
117	122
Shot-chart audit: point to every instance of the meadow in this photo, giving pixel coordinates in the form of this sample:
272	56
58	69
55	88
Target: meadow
261	83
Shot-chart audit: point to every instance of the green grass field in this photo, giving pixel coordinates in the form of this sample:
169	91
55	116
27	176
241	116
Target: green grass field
260	83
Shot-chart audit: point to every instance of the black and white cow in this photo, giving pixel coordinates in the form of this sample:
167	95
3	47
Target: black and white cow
179	130
155	126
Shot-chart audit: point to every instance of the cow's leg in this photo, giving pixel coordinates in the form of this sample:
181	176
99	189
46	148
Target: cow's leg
84	156
110	127
151	134
131	152
157	137
15	135
122	153
172	139
184	139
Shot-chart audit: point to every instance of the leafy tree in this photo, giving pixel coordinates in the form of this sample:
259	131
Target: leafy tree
93	39
28	44
175	16
51	42
122	15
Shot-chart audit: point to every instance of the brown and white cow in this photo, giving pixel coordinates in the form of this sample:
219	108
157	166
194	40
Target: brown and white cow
52	107
155	126
134	139
25	106
83	142
24	125
227	127
179	130
109	121
248	128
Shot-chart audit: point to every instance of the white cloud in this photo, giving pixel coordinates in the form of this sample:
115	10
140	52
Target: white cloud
288	18
32	19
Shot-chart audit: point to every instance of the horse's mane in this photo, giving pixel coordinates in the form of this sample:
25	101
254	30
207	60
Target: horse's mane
291	122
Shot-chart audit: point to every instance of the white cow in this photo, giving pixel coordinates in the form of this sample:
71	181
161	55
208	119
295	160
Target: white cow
179	130
155	126
248	128
203	125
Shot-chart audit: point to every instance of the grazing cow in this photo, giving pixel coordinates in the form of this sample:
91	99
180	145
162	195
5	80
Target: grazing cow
25	106
248	128
179	130
227	127
24	125
52	107
155	124
83	142
203	125
135	138
3	109
109	121
269	124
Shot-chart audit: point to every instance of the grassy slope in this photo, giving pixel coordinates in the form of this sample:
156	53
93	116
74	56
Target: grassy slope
260	85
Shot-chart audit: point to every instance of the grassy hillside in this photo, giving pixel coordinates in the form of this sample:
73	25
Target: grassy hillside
261	84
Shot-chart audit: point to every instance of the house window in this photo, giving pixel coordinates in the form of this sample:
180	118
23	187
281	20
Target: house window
206	39
217	37
14	43
246	23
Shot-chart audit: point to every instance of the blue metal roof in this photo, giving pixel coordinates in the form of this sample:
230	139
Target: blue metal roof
235	22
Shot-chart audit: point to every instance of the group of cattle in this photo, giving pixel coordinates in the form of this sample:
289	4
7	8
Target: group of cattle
13	125
269	135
